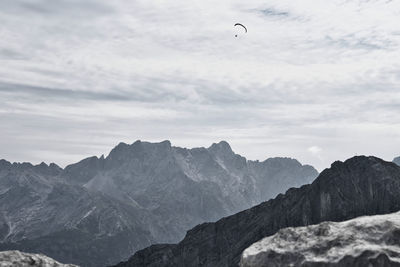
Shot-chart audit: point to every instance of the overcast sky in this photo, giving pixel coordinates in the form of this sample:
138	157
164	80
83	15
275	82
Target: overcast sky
314	80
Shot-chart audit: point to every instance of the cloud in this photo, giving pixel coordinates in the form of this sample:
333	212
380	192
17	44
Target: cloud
78	77
270	12
72	8
315	150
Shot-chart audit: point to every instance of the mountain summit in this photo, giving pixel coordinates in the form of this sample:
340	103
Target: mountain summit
359	186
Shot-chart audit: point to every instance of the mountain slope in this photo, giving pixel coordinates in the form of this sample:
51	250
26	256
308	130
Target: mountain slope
365	241
39	213
358	186
101	210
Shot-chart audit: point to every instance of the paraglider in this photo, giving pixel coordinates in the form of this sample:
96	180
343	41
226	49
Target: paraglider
240	24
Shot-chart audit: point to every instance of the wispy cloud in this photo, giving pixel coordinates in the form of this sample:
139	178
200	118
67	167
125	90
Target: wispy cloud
271	12
77	77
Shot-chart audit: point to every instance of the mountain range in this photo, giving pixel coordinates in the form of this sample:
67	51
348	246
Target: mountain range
101	210
359	186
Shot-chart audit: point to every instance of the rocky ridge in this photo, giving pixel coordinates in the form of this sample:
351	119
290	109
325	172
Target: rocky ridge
359	186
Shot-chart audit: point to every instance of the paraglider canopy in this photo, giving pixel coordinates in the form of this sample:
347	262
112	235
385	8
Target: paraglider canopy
241	25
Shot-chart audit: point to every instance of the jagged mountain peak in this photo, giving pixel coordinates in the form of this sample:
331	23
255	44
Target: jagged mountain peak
221	146
281	161
121	147
358	165
5	164
138	147
51	169
84	170
23	165
165	143
42	165
356	160
42	168
224	154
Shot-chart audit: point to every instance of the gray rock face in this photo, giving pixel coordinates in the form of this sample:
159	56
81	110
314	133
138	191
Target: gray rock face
101	210
356	187
145	172
365	241
20	259
397	160
41	214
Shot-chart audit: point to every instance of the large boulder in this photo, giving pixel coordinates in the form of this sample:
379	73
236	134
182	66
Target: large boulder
15	258
372	241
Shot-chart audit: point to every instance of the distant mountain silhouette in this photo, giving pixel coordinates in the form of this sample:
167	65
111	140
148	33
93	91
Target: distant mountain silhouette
359	186
101	210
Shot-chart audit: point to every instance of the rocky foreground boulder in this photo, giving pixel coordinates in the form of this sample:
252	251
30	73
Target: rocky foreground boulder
359	186
15	258
364	241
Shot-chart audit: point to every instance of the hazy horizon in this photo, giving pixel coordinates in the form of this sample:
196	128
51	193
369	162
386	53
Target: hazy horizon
313	80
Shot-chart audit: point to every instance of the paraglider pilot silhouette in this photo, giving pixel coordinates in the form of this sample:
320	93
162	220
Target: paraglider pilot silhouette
241	25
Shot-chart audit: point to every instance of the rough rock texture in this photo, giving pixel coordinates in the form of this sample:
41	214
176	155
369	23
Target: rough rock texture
19	259
356	187
397	160
40	214
364	241
99	211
